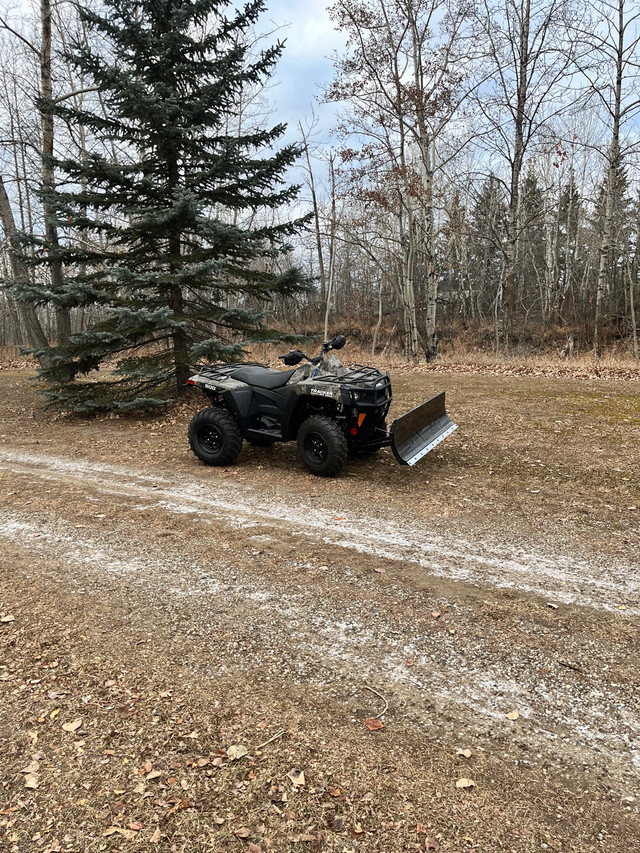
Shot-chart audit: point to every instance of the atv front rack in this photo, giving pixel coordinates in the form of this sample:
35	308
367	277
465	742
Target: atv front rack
356	374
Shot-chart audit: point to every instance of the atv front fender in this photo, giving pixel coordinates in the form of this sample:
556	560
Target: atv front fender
421	429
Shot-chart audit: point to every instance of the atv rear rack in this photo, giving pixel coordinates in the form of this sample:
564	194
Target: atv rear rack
225	369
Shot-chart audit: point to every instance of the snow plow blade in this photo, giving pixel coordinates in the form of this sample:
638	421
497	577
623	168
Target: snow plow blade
420	430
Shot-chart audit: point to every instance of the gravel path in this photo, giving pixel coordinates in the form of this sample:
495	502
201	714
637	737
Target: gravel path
600	583
333	593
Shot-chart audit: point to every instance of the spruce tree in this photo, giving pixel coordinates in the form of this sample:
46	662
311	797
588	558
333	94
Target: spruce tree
488	235
172	247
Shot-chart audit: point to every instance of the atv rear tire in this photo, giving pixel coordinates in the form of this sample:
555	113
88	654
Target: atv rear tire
214	437
322	446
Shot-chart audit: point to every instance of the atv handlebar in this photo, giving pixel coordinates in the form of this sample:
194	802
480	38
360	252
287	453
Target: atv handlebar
295	356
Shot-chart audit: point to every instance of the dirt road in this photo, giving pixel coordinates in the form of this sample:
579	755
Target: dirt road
503	652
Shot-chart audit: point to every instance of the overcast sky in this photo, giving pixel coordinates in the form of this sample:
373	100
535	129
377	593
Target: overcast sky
306	64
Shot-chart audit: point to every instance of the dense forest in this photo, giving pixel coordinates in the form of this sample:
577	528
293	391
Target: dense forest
480	184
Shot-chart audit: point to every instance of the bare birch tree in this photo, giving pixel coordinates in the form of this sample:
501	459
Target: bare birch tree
400	90
528	58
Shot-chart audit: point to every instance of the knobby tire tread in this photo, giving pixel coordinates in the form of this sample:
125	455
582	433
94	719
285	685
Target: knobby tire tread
231	437
335	439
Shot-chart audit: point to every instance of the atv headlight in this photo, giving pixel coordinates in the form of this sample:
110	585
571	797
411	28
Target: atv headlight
357	395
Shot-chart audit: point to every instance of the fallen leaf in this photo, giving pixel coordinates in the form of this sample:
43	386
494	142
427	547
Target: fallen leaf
374	725
334	792
129	834
253	848
297	777
411	662
31	768
513	715
237	751
465	783
243	832
357	831
217	819
155	838
72	726
465	753
8	618
431	844
154	774
436	614
54	714
31	781
136	826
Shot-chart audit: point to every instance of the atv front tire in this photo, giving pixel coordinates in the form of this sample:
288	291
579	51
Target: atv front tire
214	437
322	446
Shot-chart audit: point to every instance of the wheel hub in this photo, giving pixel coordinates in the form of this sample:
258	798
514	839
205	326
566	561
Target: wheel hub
316	447
211	438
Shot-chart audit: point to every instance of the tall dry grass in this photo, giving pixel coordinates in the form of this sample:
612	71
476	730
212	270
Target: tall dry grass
393	357
390	357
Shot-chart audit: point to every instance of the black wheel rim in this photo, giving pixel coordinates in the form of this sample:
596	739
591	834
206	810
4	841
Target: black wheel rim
210	438
315	448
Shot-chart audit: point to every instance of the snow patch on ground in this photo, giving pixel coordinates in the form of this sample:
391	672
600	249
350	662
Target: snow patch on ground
558	577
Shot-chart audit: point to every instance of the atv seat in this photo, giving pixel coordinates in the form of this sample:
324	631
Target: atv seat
263	377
